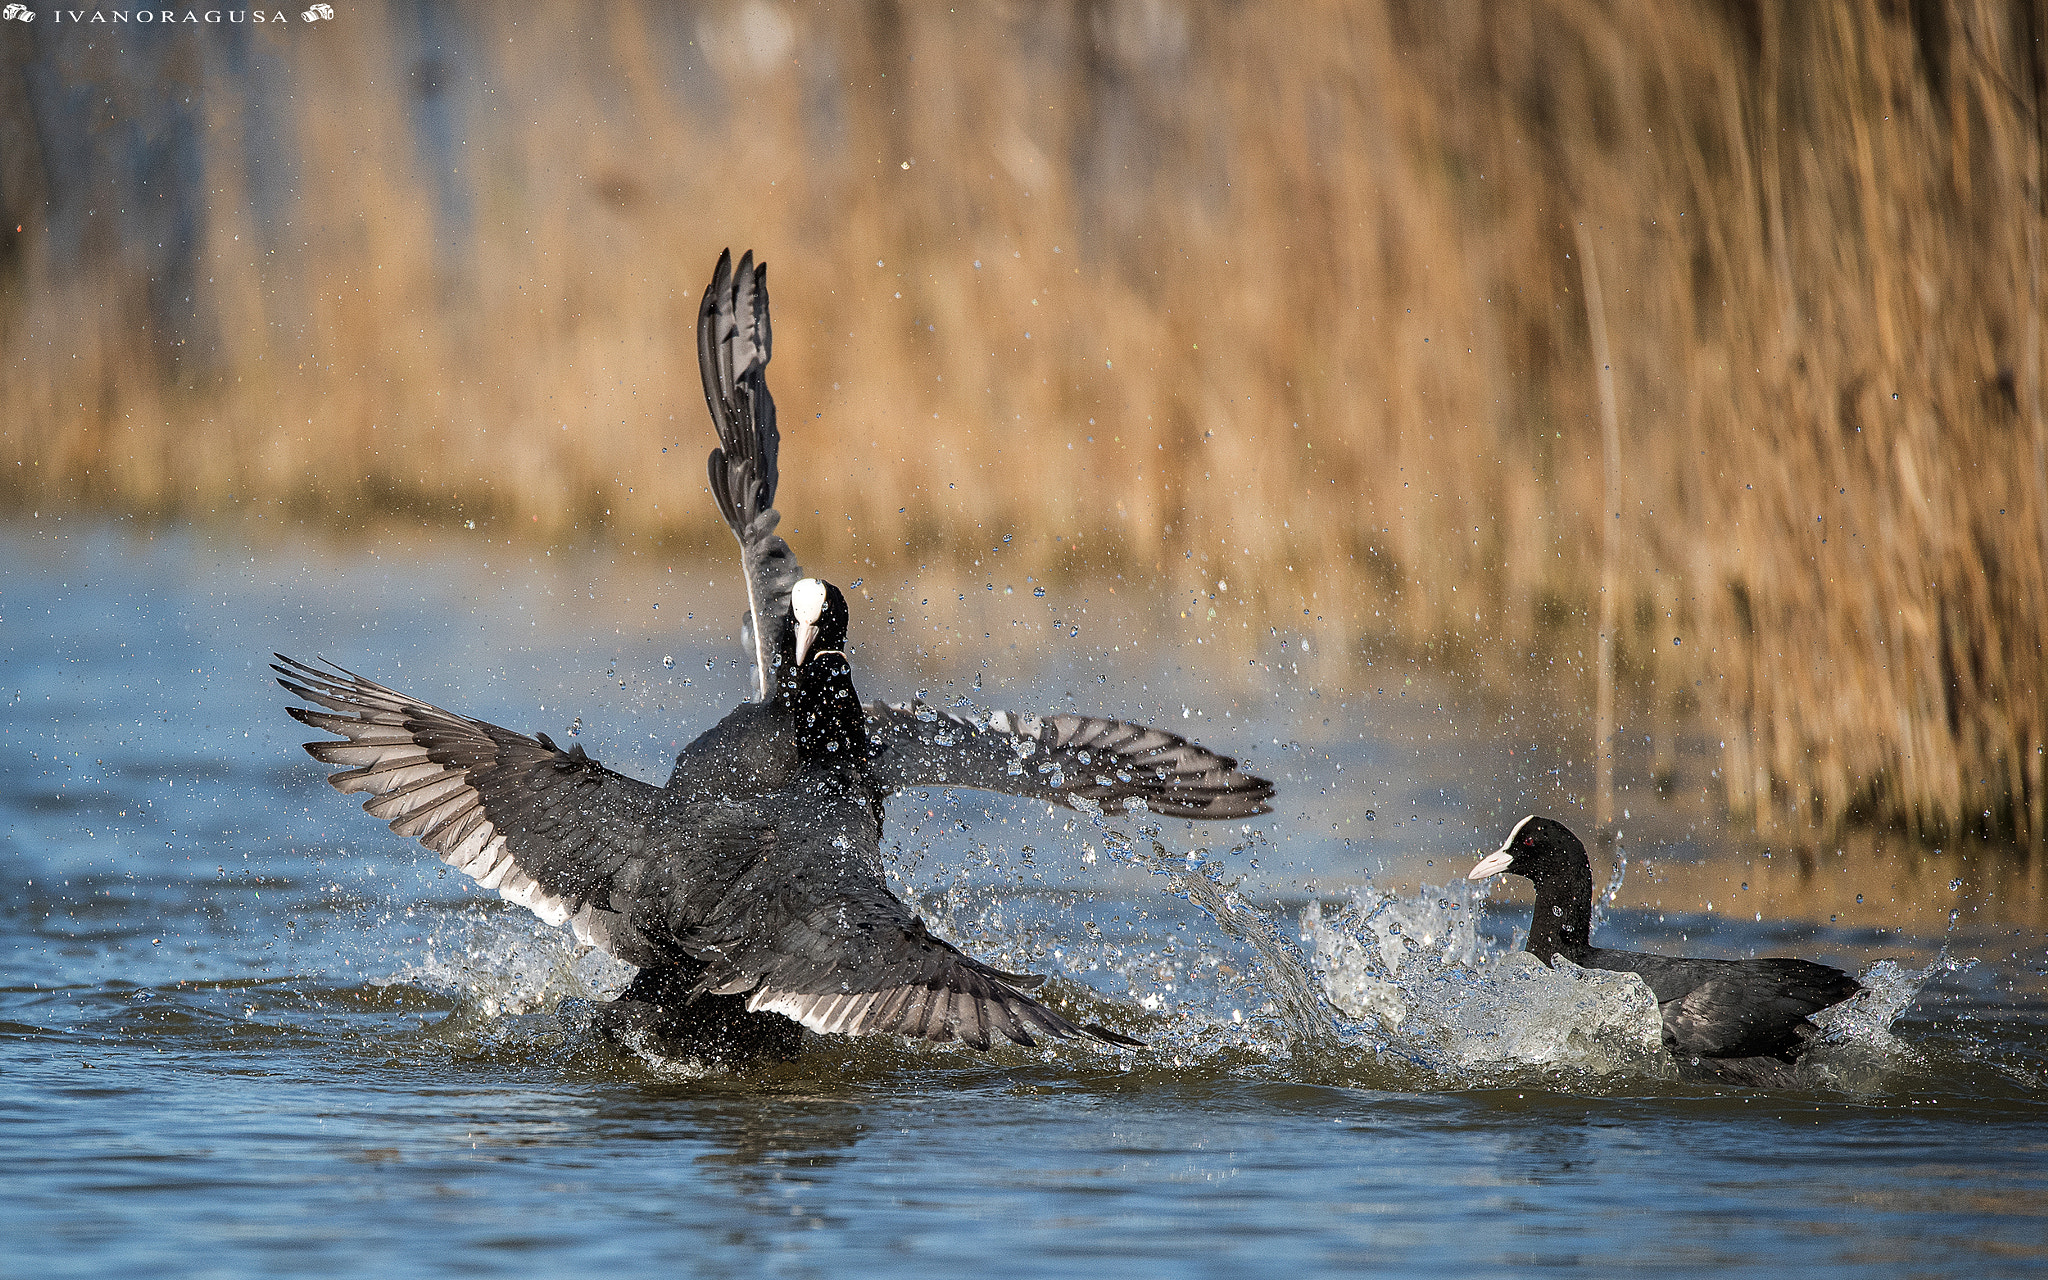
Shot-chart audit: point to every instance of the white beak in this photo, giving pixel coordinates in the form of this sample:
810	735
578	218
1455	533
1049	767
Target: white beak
806	636
1491	865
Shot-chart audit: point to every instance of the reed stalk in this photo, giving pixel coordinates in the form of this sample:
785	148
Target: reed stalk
1610	539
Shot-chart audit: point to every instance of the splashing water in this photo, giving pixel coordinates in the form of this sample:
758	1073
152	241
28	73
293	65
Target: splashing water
1858	1052
1418	969
499	962
1888	988
1382	980
1310	1034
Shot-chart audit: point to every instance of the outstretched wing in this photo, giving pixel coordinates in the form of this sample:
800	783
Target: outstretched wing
732	355
546	828
1059	758
811	931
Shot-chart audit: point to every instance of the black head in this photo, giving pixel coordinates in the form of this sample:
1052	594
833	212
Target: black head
817	622
816	676
1543	849
1547	852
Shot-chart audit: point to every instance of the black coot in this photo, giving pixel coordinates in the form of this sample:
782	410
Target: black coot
749	910
1746	1020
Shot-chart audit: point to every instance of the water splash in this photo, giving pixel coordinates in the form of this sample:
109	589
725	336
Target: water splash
500	962
1385	989
1889	988
1857	1052
1362	949
1311	1036
1417	967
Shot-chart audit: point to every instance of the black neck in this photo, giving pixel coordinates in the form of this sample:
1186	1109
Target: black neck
830	724
1564	913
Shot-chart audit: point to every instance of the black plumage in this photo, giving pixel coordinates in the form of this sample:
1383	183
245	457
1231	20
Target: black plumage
1746	1020
1064	758
739	902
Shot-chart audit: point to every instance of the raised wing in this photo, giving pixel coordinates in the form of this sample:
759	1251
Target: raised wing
811	931
1060	758
732	355
547	828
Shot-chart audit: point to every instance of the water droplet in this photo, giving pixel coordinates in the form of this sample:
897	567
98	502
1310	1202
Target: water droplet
1038	591
1674	640
1954	885
1859	897
1370	815
668	663
1557	911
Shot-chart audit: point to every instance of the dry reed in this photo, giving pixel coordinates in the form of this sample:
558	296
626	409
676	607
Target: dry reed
1165	287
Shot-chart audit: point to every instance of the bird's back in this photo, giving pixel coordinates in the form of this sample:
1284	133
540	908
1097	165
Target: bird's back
1732	1008
751	751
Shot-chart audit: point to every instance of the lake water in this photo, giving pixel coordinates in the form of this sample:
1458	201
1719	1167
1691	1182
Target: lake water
244	1029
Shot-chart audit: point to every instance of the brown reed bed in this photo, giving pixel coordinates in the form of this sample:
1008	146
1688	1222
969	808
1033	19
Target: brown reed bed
1158	287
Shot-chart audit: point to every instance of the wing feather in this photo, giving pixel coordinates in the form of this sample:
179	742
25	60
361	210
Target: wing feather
810	929
546	828
733	348
1066	759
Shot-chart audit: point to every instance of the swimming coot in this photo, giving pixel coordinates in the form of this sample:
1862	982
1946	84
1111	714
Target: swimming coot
1745	1020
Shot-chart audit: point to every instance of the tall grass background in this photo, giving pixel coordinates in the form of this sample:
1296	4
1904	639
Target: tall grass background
1191	291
